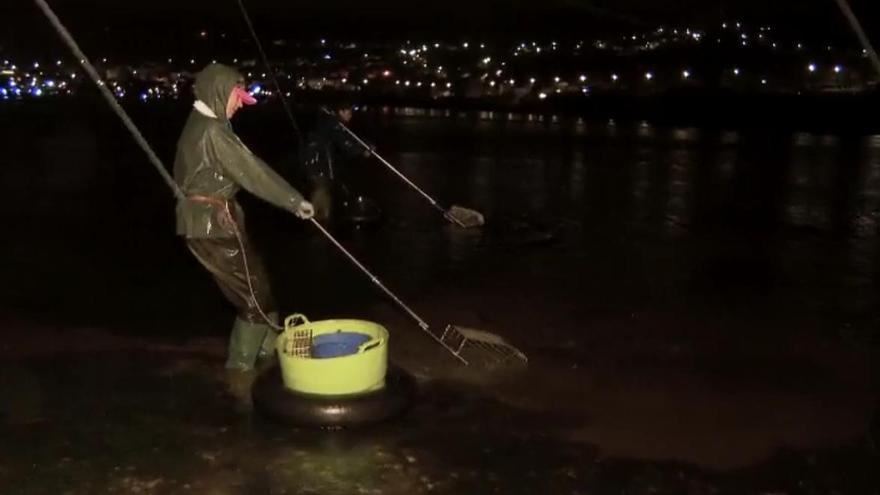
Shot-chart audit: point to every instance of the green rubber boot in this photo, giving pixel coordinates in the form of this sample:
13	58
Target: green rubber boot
245	345
268	355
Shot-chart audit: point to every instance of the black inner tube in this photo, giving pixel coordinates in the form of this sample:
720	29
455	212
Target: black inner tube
275	401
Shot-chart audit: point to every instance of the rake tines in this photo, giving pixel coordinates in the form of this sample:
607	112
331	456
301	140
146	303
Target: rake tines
491	347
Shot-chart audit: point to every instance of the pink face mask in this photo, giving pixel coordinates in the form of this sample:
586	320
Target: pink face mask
244	96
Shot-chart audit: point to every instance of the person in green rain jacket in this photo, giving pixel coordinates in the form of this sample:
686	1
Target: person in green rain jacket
211	166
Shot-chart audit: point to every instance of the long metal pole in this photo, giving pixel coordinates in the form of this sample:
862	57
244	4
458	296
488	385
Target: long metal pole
863	38
284	102
385	162
108	95
424	326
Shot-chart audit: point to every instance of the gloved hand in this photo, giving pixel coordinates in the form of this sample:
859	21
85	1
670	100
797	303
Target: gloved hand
305	211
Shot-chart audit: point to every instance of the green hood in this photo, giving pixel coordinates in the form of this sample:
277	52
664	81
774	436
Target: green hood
213	86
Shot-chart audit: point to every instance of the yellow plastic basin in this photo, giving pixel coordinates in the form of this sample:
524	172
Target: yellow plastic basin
356	373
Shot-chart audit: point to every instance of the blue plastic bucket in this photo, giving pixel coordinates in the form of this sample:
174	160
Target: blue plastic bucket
338	344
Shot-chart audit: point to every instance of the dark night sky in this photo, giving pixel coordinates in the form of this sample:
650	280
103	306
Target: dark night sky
396	19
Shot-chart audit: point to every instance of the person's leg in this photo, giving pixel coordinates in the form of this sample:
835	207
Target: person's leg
242	278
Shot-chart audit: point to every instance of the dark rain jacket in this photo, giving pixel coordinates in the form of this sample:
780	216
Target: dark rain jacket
212	162
326	144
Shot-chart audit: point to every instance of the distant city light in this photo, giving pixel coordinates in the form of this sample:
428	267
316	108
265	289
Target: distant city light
35	80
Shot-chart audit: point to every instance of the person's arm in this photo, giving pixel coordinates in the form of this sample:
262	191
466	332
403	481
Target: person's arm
253	174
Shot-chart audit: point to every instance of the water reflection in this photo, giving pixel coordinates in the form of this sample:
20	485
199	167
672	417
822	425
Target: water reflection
681	163
614	180
808	187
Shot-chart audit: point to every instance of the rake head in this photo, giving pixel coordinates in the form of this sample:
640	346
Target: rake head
465	217
469	344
